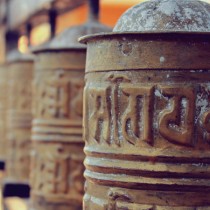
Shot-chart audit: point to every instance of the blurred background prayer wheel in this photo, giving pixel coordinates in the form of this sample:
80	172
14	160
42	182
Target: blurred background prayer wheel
3	111
19	117
147	110
57	168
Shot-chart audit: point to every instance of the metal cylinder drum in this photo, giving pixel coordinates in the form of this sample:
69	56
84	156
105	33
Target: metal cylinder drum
57	177
147	110
3	111
57	162
19	117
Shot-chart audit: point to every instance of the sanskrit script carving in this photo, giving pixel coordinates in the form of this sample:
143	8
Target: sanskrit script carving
125	113
58	173
171	126
58	97
139	109
116	196
22	99
100	115
206	125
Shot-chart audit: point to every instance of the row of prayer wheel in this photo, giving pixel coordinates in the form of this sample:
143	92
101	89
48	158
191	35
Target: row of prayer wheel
145	110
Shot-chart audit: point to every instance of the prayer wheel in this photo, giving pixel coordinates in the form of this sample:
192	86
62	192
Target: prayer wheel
147	110
3	111
19	117
57	168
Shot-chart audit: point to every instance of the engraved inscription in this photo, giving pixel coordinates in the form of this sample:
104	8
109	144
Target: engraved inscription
171	126
58	97
206	125
100	117
53	176
116	195
77	99
137	119
58	174
22	99
18	161
120	200
24	102
121	112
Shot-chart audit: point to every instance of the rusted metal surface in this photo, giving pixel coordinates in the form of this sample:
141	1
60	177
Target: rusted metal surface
57	177
36	11
147	114
57	166
19	116
143	59
188	15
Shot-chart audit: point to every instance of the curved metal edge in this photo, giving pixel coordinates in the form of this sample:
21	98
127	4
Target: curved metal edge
87	38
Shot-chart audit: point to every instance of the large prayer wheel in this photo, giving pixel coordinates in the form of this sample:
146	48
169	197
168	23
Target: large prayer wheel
19	117
57	169
147	110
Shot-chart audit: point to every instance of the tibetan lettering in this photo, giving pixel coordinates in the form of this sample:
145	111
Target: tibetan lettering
137	119
206	125
100	116
176	123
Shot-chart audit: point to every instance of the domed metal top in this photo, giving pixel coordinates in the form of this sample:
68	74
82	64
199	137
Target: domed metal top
16	56
166	15
69	38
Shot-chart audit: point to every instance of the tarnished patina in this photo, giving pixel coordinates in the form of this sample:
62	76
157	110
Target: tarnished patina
57	169
147	110
19	117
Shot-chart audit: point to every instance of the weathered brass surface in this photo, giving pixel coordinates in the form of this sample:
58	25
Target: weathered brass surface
57	166
167	15
57	169
147	114
3	110
19	116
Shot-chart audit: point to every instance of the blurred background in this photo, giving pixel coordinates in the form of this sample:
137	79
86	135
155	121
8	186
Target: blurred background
15	14
23	16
